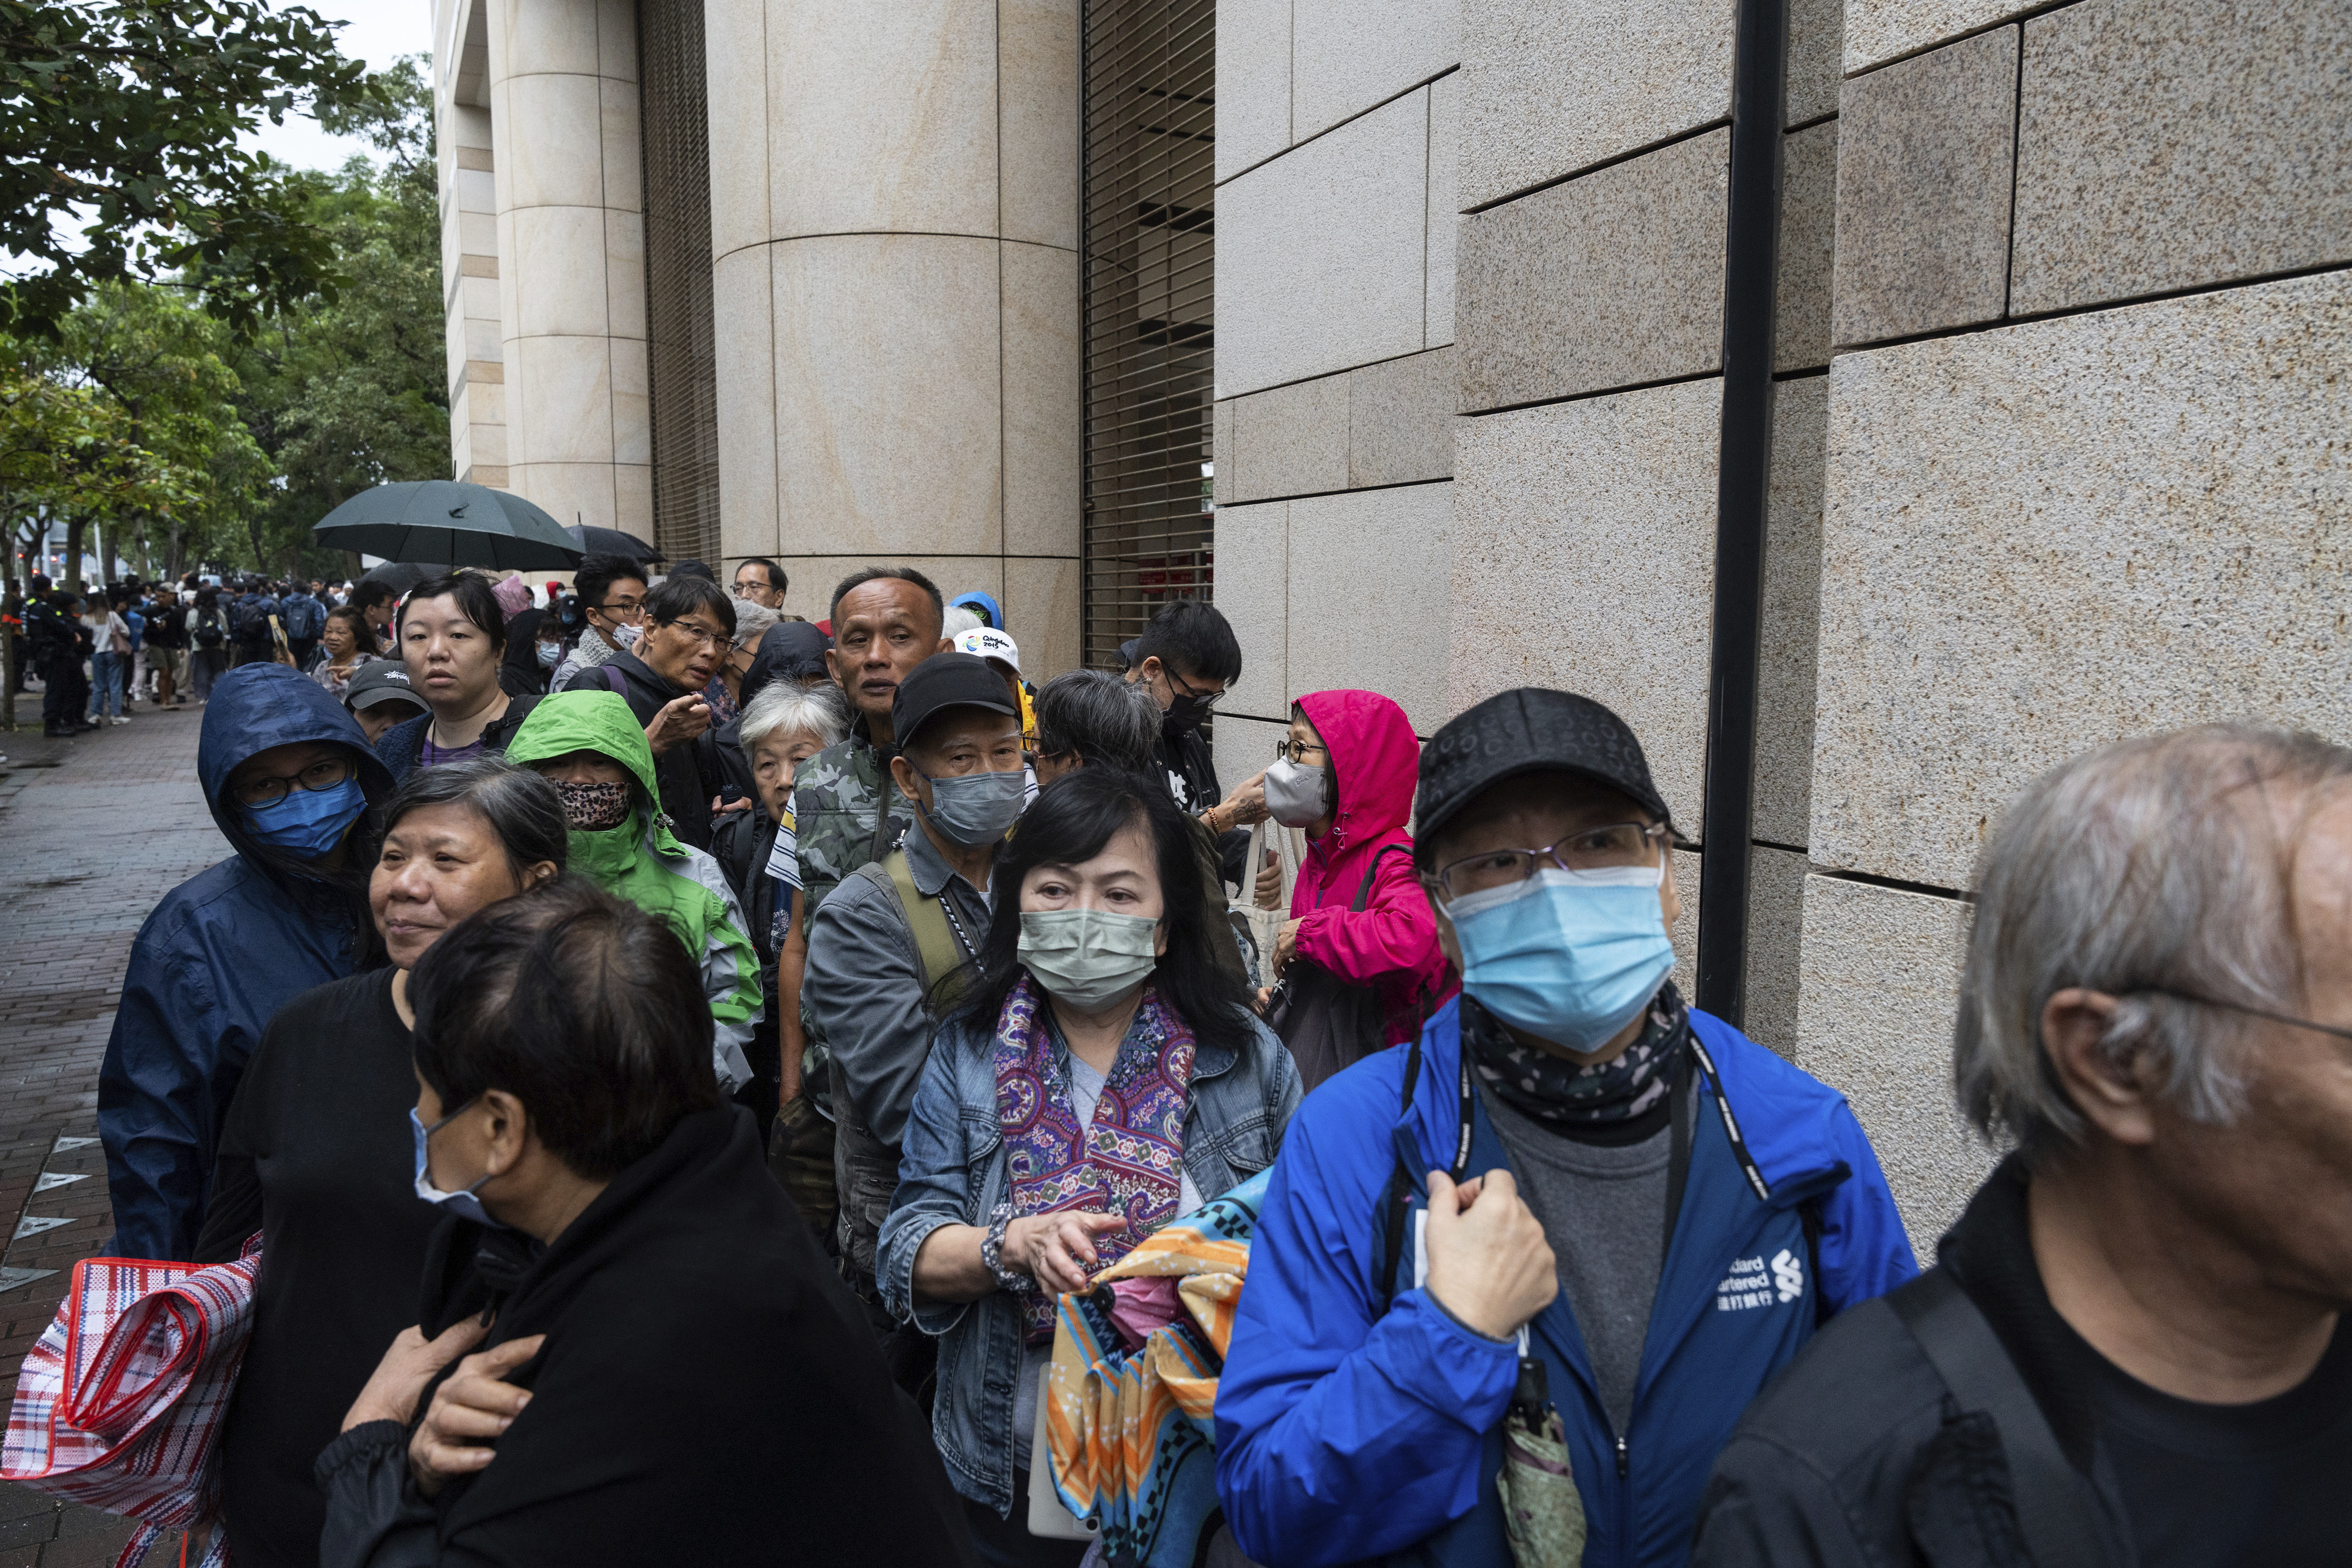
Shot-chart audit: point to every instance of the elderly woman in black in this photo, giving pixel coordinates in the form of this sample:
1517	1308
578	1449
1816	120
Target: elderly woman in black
315	1154
673	1372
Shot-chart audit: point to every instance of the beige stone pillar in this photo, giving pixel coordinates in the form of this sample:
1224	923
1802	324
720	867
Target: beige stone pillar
469	242
570	244
894	230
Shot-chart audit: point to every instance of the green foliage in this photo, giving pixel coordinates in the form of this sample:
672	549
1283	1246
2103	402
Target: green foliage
143	412
346	392
122	118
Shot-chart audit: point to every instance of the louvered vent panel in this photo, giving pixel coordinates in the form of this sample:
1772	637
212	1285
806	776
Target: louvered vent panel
1149	170
674	99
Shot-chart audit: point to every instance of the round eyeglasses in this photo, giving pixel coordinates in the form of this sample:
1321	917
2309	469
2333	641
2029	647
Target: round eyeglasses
1586	849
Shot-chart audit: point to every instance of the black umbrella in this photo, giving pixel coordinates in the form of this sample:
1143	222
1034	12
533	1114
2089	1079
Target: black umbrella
613	541
400	576
452	521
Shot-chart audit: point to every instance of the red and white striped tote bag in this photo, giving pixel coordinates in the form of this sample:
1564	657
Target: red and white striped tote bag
119	1404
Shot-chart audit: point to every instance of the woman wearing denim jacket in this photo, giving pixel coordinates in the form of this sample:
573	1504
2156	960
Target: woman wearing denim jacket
1108	1076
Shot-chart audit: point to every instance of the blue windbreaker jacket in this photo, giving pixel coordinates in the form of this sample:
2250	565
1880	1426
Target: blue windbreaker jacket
221	954
1346	1434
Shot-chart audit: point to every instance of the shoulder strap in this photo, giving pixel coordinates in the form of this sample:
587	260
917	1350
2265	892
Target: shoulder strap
1399	1211
936	951
2053	1511
1371	872
614	679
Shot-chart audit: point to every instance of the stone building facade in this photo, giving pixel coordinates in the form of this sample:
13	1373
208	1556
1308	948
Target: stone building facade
2022	427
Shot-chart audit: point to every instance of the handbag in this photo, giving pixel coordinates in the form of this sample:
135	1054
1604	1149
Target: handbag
1258	930
121	1404
1328	1023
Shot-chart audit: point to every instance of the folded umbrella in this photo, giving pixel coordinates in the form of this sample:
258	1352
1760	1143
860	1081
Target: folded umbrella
450	520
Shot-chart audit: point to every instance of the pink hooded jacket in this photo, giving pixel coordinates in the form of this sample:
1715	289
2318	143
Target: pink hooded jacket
1392	945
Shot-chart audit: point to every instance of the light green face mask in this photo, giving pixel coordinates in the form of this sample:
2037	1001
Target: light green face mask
1088	957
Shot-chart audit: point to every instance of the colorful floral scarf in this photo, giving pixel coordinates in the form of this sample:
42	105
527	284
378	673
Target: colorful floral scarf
1129	1160
1555	1090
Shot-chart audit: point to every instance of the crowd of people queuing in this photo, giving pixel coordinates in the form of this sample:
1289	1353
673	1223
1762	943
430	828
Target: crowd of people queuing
675	1056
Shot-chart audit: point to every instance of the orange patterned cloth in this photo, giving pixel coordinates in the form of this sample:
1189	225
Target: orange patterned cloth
1133	1431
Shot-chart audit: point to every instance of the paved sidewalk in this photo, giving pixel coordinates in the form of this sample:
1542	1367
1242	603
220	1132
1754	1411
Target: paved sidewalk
94	831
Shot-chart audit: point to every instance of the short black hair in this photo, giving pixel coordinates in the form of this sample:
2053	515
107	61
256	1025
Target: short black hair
584	1008
520	807
898	573
684	595
777	581
368	595
476	602
1099	719
1193	637
597	573
691	567
1070	821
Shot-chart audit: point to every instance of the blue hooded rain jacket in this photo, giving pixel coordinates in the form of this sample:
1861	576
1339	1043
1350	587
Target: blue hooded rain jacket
221	954
1347	1432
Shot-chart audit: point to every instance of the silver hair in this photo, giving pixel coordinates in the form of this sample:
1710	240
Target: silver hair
956	621
789	707
752	621
2156	865
1102	719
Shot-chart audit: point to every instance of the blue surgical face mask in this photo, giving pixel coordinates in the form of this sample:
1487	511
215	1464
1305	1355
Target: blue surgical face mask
464	1205
550	654
308	823
975	809
1572	956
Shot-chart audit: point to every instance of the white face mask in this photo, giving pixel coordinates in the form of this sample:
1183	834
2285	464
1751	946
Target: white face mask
1297	795
625	636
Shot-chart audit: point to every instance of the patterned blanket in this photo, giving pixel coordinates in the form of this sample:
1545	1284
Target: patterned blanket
1133	1430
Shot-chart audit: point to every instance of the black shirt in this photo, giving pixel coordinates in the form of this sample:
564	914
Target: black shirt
318	1155
2205	1484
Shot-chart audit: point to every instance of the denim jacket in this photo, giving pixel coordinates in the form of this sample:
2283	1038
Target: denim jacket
951	1171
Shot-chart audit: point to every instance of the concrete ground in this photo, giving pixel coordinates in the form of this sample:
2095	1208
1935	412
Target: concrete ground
94	831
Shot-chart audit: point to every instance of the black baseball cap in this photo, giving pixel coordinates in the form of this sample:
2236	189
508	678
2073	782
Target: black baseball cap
945	681
1528	731
381	681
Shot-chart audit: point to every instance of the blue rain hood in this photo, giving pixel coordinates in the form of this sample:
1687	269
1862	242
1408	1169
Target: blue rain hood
217	958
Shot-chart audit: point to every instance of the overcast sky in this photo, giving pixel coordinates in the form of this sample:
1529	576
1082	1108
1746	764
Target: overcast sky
379	33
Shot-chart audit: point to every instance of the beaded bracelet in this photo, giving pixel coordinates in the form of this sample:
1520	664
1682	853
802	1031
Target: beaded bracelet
992	1253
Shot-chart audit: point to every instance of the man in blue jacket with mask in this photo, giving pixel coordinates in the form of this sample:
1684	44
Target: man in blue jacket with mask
290	776
1573	1190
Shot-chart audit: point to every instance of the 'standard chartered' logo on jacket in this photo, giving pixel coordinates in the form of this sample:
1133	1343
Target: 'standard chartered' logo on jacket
1749	1285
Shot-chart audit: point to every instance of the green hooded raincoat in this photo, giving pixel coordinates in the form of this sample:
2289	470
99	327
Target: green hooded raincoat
642	862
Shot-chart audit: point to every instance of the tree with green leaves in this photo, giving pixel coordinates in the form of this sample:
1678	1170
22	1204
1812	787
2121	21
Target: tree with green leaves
122	120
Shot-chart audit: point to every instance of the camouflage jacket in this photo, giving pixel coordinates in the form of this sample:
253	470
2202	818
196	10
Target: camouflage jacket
836	794
835	798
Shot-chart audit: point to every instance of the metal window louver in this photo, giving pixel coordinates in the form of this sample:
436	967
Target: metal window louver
673	100
1148	175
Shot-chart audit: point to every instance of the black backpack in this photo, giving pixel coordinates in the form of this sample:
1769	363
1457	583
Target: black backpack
210	633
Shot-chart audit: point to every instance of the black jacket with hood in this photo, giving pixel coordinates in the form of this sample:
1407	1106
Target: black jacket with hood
222	952
709	1393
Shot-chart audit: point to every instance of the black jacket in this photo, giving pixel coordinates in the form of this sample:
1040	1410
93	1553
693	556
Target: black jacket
685	786
403	742
1858	1455
741	843
1192	775
521	674
709	1393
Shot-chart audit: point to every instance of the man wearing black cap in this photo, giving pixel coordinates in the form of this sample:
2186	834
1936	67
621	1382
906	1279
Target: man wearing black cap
380	696
894	929
1573	1196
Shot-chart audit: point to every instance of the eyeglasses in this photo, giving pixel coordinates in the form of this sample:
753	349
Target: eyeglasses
1586	849
321	775
1297	750
1184	688
619	606
2288	1019
702	636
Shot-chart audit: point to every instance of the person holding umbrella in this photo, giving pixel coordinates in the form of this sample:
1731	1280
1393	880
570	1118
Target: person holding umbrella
452	633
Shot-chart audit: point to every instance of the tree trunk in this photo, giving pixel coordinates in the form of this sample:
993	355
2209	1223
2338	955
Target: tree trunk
76	530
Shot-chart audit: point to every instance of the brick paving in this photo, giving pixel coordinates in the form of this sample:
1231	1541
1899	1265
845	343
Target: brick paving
94	829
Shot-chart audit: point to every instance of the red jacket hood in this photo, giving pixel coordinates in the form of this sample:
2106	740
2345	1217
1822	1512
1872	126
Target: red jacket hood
1375	759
